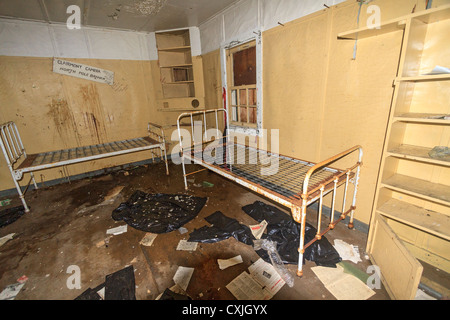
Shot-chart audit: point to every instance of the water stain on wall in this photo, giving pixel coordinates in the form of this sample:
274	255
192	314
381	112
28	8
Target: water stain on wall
93	113
64	121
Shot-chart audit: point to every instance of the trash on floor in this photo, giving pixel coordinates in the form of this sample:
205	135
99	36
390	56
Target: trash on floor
6	238
9	215
158	213
184	245
118	230
347	251
275	259
148	239
222	228
183	276
119	285
5	202
342	286
258	229
207	184
282	229
11	291
226	263
261	283
174	293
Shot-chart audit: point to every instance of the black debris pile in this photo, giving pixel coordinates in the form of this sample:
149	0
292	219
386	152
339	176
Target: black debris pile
10	215
158	213
222	228
286	232
119	285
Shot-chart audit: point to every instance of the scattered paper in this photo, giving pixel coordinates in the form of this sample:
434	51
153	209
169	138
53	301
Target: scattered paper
183	276
22	279
262	283
223	264
101	293
113	193
6	238
184	245
258	229
267	276
341	285
347	251
118	230
148	239
11	291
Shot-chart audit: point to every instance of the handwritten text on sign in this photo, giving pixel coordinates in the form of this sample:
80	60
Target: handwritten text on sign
82	71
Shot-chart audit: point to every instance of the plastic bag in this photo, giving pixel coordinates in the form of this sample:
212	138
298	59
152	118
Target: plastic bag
275	259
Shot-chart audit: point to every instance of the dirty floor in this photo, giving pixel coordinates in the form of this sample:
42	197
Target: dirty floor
67	227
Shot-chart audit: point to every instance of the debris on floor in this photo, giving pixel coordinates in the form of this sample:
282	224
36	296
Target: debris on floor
258	229
6	238
226	263
11	291
183	276
119	285
184	245
5	202
222	228
117	230
343	286
148	239
261	283
347	251
207	184
282	229
10	215
174	293
158	213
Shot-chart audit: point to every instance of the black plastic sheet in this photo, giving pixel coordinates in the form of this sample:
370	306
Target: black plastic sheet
222	228
10	215
286	232
158	213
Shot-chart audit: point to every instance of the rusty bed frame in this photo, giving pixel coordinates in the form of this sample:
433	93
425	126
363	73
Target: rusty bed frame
295	184
19	162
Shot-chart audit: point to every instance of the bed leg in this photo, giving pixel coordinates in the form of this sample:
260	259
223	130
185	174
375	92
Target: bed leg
21	195
184	174
34	180
296	212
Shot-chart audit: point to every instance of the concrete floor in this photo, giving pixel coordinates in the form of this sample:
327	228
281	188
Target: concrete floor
67	226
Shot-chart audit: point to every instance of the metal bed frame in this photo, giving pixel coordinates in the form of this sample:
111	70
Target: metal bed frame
295	184
13	150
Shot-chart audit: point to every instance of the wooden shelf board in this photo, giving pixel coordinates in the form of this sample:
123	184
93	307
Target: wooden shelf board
432	118
417	153
429	221
176	49
179	82
187	66
423	78
426	16
423	189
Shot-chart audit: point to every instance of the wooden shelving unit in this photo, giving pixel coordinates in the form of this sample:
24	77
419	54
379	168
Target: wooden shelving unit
411	213
181	74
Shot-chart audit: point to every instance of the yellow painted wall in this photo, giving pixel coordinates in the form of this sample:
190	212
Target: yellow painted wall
54	111
321	99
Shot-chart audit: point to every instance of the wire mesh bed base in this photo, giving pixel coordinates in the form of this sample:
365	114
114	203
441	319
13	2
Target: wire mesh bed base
292	182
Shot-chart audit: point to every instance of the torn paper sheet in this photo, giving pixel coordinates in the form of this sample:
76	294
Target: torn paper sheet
118	230
266	275
184	245
148	239
258	229
439	70
11	291
6	238
223	264
183	276
343	286
245	287
347	251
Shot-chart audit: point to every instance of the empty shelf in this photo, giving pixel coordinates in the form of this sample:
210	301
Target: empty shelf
418	153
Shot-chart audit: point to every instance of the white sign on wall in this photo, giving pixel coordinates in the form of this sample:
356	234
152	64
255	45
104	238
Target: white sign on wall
82	71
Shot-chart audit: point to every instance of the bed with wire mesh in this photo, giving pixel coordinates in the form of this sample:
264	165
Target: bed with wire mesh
292	182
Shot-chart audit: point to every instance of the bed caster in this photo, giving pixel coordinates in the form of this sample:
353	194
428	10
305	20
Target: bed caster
300	273
351	225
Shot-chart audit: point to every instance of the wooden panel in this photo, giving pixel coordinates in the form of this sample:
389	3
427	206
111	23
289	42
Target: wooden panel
244	67
400	271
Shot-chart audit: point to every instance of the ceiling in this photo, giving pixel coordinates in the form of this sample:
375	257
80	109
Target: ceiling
137	15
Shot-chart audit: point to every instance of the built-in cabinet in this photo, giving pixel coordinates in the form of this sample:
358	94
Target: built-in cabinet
181	73
410	220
